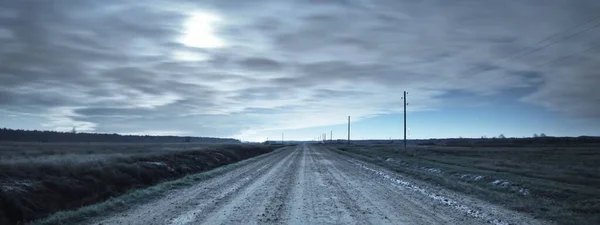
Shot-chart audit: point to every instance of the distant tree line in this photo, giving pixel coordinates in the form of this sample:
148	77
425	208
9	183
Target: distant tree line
537	140
55	136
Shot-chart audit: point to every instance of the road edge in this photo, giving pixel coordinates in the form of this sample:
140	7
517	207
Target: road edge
140	196
441	193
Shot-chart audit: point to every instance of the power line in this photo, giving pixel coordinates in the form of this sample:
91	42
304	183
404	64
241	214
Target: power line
568	56
541	47
525	51
552	43
551	37
559	58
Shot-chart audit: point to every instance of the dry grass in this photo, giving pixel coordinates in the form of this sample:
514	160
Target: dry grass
14	152
37	180
560	184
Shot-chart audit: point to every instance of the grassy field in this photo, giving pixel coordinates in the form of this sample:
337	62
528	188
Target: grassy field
37	180
561	184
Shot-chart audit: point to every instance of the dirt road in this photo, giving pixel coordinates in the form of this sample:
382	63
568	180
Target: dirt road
309	184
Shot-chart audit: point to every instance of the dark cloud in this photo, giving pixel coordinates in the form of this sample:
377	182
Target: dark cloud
112	112
327	94
115	66
260	64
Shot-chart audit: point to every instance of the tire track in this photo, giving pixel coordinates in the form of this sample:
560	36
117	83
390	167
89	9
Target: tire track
188	200
220	193
382	200
298	199
243	205
348	210
276	206
434	204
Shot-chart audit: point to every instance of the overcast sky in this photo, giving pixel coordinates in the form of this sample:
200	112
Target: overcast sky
252	69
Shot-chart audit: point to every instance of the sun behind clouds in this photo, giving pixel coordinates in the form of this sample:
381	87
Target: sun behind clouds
199	31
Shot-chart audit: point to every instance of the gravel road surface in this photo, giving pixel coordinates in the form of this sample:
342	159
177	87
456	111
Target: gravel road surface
309	184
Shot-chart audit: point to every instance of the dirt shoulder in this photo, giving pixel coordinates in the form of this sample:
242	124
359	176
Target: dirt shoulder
556	184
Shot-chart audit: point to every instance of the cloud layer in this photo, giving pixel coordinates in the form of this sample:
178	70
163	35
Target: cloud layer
115	66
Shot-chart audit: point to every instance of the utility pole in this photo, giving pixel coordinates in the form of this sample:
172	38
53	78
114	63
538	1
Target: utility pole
281	138
331	136
404	120
348	129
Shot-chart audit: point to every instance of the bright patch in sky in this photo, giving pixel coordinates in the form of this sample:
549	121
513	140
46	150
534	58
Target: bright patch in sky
189	56
200	31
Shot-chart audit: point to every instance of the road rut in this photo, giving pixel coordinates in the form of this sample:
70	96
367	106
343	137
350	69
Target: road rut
308	184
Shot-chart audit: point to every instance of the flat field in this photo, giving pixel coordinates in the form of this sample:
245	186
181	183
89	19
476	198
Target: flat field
38	179
560	184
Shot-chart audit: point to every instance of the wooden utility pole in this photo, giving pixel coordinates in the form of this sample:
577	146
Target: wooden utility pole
348	129
404	121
